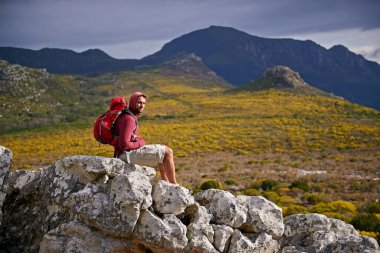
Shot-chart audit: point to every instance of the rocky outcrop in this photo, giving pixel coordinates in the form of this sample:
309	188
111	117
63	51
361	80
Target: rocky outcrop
98	204
285	79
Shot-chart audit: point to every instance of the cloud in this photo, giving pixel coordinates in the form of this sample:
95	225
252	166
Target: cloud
117	24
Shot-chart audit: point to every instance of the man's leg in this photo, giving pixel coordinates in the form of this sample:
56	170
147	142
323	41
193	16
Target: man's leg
167	168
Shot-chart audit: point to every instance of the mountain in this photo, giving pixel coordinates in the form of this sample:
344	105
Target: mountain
191	66
282	78
233	55
63	61
239	58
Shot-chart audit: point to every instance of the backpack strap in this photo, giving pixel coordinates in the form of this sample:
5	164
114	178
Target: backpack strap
126	110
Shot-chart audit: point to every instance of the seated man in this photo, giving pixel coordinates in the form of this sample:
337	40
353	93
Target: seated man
132	148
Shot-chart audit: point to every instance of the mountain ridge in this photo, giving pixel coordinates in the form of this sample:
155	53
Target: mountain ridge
235	56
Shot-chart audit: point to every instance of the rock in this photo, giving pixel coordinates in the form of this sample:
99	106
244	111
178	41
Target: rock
263	243
114	208
145	170
6	157
222	237
168	234
77	237
291	249
170	198
94	204
200	232
224	208
263	216
316	232
352	243
283	76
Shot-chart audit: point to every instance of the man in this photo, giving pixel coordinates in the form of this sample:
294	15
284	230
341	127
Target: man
132	148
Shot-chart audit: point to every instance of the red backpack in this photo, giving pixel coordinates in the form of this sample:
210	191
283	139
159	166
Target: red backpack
103	126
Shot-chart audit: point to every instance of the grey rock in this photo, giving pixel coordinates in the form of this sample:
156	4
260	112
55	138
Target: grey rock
224	208
353	244
145	170
168	234
222	237
263	216
317	233
199	231
170	198
77	237
6	157
94	204
263	243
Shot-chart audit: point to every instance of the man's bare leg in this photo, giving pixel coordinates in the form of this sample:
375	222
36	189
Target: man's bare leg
167	168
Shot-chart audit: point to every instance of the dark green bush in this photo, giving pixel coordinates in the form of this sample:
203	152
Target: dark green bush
269	185
230	181
272	196
371	207
211	184
252	192
366	222
300	184
293	209
312	199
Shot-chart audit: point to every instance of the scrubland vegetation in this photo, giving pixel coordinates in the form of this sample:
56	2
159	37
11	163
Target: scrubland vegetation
305	153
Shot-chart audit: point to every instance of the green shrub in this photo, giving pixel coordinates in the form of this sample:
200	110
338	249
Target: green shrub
293	209
269	185
287	200
230	181
343	207
272	196
371	207
252	192
256	185
312	199
300	184
211	184
366	222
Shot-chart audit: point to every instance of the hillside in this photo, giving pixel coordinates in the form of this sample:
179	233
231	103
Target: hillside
306	153
239	58
34	97
233	55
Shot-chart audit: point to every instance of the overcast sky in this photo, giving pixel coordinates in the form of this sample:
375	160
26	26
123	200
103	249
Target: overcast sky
136	28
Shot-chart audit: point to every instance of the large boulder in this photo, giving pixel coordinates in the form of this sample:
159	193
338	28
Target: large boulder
318	233
98	204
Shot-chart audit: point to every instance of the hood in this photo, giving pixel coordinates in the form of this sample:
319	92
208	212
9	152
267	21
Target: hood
133	100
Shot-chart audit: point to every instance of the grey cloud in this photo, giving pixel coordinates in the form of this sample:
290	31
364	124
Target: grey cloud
87	23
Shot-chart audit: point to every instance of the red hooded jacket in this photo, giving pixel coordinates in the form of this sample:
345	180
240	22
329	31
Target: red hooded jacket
124	127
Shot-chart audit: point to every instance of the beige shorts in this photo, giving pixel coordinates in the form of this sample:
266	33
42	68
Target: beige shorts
146	155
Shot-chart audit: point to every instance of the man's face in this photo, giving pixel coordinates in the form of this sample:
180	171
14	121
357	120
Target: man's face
140	104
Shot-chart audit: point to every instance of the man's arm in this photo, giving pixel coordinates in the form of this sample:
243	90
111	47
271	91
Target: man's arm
126	140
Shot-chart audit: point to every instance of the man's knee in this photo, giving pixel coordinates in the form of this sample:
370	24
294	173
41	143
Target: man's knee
168	152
